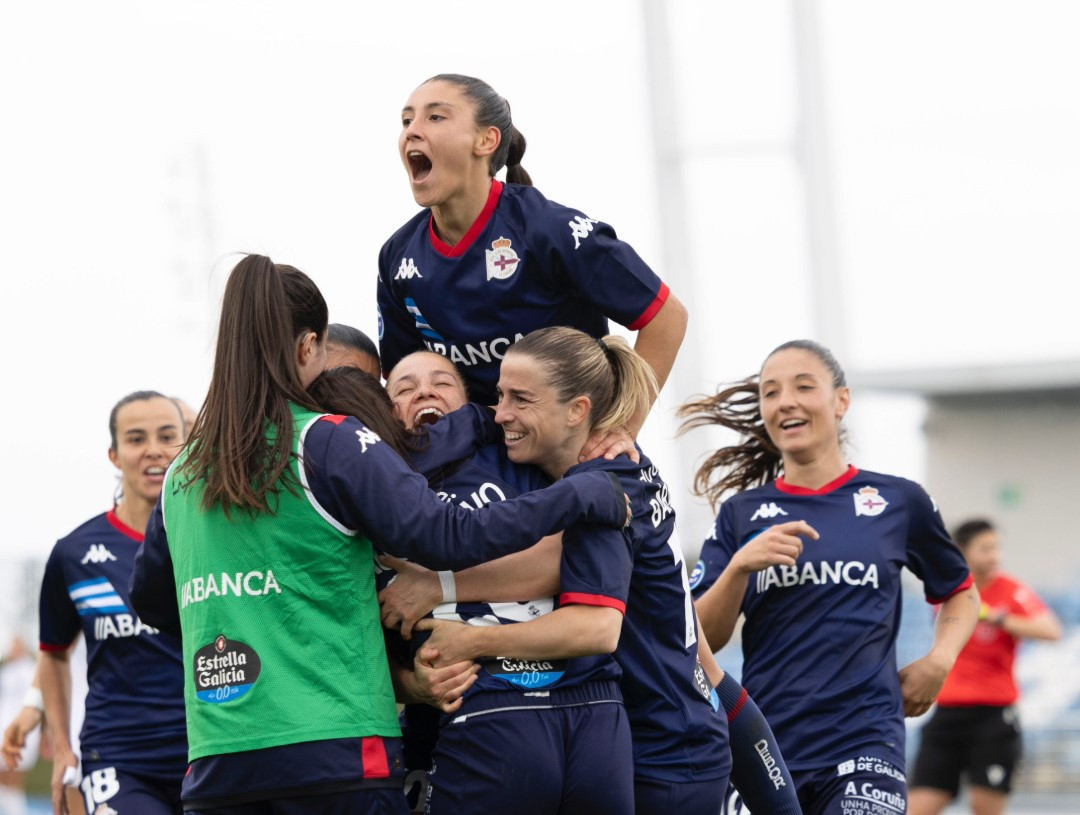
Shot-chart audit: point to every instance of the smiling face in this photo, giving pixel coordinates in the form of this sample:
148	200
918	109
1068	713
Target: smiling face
444	152
424	387
149	434
800	406
538	428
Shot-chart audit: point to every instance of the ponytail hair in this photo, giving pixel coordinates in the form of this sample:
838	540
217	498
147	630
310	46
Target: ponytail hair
493	111
754	460
353	392
619	383
267	308
751	462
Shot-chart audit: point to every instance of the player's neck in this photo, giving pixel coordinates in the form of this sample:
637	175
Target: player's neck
134	513
814	472
454	216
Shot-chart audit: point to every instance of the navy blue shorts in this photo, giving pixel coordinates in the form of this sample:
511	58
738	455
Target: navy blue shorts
382	801
567	751
107	789
862	785
654	797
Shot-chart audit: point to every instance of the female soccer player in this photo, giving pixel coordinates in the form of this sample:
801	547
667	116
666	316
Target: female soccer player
624	593
133	740
564	717
974	730
486	263
821	615
263	535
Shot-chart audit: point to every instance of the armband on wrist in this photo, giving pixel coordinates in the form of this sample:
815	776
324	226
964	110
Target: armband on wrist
449	587
34	699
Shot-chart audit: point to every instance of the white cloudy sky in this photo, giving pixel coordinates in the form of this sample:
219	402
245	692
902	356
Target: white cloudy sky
142	143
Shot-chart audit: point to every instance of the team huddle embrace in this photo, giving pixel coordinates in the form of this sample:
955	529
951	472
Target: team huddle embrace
463	591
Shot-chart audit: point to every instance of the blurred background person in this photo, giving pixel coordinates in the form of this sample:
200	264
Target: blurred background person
16	675
974	732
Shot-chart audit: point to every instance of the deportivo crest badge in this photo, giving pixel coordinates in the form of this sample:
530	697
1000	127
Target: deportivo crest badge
869	502
502	260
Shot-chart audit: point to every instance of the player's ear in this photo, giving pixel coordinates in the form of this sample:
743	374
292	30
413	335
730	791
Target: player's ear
487	141
843	402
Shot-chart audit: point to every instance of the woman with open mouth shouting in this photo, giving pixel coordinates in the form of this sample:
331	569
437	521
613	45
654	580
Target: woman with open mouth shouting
485	262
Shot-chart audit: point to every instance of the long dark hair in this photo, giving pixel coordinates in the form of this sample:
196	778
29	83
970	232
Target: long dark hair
266	309
754	460
352	392
494	111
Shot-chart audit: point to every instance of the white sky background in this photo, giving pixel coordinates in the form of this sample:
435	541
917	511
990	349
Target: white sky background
142	143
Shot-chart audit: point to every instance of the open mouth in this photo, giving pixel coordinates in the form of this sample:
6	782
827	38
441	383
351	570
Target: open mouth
428	415
512	437
790	424
419	165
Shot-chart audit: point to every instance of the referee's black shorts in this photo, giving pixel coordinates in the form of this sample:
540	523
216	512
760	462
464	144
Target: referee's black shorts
982	742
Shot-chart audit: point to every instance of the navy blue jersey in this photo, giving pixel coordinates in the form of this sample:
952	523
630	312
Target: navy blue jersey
135	704
678	733
525	263
819	638
491	476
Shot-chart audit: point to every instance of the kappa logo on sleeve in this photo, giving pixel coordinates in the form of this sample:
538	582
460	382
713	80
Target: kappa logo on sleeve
366	437
580	228
97	553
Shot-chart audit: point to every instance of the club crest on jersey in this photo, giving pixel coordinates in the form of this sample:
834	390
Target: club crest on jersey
502	260
697	575
869	502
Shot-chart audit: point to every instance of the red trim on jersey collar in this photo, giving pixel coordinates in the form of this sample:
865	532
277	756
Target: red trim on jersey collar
581	599
836	483
122	527
654	307
334	419
967	584
459	248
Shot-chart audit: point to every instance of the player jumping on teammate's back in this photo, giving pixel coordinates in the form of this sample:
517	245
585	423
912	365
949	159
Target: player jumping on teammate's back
485	263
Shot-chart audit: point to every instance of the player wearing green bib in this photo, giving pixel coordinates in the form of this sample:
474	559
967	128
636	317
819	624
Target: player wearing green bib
259	555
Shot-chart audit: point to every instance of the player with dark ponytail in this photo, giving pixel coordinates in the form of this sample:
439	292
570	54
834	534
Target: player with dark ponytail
259	556
485	262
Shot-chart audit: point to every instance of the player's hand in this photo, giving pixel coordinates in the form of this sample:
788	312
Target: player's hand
25	722
444	687
920	683
64	762
450	642
609	445
779	545
410	597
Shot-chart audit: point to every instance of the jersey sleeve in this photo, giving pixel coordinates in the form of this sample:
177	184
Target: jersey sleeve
1024	602
605	270
398	335
59	619
931	554
456	436
153	583
596	565
364	485
716	553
